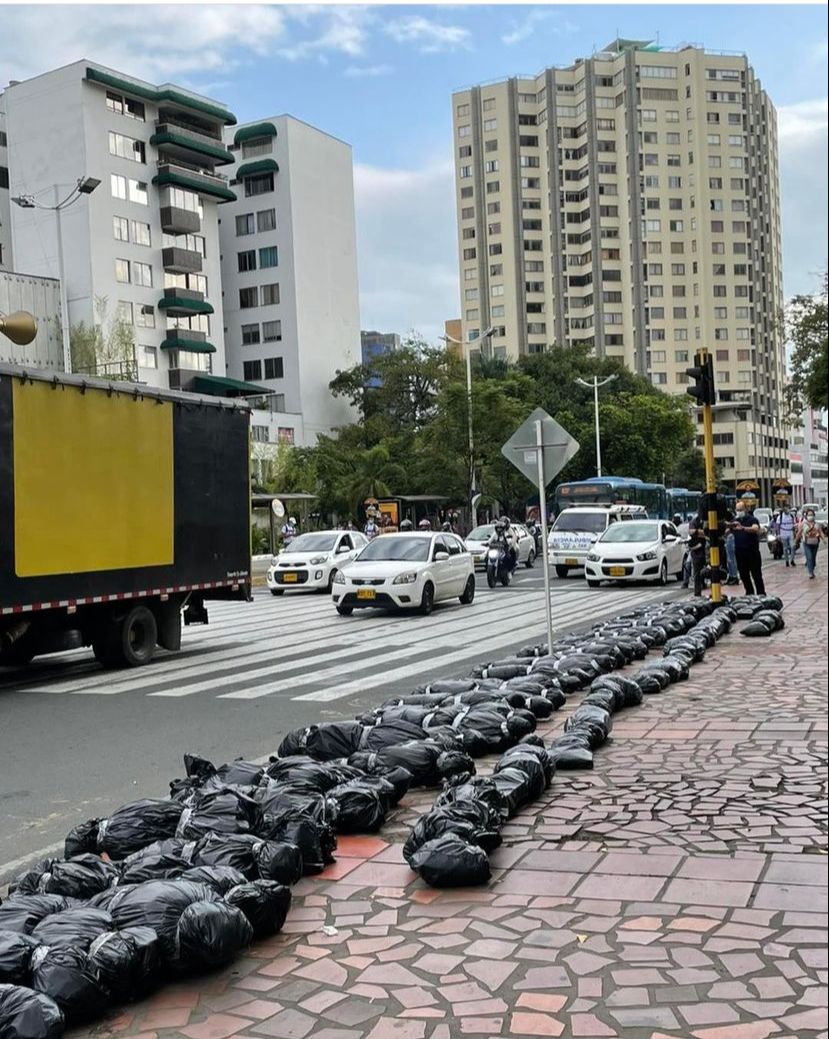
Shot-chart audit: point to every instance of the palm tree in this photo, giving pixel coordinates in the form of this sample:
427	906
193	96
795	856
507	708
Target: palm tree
372	476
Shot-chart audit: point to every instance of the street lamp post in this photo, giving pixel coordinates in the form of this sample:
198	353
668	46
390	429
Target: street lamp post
457	342
596	384
84	186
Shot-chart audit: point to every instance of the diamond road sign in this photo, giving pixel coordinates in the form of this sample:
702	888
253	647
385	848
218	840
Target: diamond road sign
557	445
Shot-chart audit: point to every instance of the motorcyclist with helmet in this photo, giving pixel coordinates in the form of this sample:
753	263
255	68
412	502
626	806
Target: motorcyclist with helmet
424	524
406	525
503	535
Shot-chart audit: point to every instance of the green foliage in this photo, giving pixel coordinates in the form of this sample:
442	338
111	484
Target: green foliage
688	470
806	321
260	543
106	347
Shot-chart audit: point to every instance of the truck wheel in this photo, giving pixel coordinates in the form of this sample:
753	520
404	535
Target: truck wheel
128	641
562	571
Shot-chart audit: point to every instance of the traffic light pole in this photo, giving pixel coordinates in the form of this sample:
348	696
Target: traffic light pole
705	393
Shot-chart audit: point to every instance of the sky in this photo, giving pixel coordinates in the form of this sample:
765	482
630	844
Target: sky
381	78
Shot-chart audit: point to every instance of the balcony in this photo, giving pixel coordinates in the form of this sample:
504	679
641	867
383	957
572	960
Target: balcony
187	339
192	179
191	146
184	303
181	261
179	221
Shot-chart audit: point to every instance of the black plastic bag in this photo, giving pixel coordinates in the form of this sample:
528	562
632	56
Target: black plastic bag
661	674
648	682
75	928
316	842
277	800
514	786
303	774
324	742
359	810
236	773
81	838
133	826
604	698
418	757
478	789
124	963
278	861
526	751
153	867
454	763
264	903
219	811
25	1014
228	849
755	628
63	975
220	878
28	882
449	861
82	877
211	934
16	957
159	904
572	751
22	913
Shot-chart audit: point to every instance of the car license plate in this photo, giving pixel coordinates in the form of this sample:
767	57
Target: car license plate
366	593
617	571
571	562
289	578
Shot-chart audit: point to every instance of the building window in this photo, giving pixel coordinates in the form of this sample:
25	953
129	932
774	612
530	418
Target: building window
465	131
744	355
680	356
124	311
470	294
257	146
270	294
246	261
468	233
252	371
179	198
141	234
125	106
467	192
468	213
120	229
491	165
490	125
496	290
536	328
259	185
250	334
266	220
145	316
148	357
248	298
464	172
680	335
138	192
122	271
274	368
269	257
659	378
469	254
473	315
496	249
497	311
678	269
244	224
126	147
118	186
462	110
272	331
142	274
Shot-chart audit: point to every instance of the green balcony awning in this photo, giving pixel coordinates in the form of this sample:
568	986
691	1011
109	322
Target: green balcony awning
250	169
192	306
222	156
250	133
160	94
201	187
192	346
222	386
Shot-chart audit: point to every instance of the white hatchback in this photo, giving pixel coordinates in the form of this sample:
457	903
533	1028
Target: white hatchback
406	571
577	528
639	550
311	560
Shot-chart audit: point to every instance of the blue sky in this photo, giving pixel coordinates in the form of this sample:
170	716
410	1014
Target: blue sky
381	78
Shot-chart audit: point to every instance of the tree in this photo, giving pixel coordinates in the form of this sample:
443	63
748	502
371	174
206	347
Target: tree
806	321
689	470
105	347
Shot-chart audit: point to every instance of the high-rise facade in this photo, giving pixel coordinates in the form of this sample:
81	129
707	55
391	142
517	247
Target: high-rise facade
630	201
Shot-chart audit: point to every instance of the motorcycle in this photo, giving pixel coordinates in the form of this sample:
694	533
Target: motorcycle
499	565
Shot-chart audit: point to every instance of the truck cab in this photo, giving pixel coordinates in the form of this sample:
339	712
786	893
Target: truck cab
576	529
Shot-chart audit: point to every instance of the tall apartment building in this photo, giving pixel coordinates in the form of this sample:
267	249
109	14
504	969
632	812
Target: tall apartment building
5	201
289	272
630	201
146	240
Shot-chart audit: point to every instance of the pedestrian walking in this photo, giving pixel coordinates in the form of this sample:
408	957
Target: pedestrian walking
786	530
696	554
747	533
810	534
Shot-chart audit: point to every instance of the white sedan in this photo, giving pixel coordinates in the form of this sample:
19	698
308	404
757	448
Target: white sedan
478	539
639	550
311	560
406	571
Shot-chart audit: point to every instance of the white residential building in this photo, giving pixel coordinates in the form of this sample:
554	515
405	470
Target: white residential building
5	216
289	274
144	244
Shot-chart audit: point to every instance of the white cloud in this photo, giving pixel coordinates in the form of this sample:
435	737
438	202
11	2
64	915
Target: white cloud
428	36
527	27
368	71
407	247
341	30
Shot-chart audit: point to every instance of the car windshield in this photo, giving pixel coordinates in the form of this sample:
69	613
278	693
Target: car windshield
589	522
483	533
313	543
631	531
392	547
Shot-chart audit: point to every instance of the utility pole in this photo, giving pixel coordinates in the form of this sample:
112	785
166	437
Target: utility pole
705	393
597	384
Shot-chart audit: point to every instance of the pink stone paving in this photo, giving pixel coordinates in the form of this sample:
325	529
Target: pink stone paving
677	891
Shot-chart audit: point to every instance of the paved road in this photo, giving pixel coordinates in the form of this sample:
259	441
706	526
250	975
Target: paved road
76	741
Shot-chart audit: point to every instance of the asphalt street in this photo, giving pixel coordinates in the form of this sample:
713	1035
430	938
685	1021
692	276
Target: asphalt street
77	741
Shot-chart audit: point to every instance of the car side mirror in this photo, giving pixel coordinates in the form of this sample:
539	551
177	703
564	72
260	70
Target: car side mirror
342	548
441	557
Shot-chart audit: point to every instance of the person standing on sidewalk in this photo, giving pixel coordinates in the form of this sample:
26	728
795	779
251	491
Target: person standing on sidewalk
811	534
786	529
696	554
747	549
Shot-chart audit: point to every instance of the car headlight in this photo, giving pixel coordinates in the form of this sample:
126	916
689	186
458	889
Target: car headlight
408	578
592	557
319	559
643	556
339	577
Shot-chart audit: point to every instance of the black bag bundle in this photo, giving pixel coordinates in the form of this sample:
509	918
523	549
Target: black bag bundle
159	866
228	849
278	861
478	789
595	721
615	686
677	667
324	742
22	913
28	882
82	877
264	903
210	934
773	617
81	838
278	800
16	957
473	821
302	774
235	773
411	714
660	673
530	757
604	698
649	682
159	904
219	811
757	628
316	841
25	1014
359	808
448	861
124	963
220	878
418	757
454	763
135	825
695	645
447	687
62	974
75	928
515	787
572	751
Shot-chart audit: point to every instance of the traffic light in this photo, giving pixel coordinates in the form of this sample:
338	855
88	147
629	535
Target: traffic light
702	373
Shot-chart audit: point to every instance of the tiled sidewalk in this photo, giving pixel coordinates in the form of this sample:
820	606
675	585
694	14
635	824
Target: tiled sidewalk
678	890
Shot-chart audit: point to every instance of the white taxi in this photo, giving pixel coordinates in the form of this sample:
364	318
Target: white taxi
311	560
406	571
577	528
643	550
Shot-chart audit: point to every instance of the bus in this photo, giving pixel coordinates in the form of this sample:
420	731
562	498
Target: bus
683	502
619	490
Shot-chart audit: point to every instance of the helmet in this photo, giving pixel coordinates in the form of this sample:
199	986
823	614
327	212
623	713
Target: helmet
446	526
406	524
676	520
505	520
292	521
424	525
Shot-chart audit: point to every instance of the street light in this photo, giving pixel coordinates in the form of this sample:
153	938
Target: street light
84	186
469	344
596	384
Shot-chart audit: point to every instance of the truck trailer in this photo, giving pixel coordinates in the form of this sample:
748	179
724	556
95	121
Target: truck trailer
123	508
